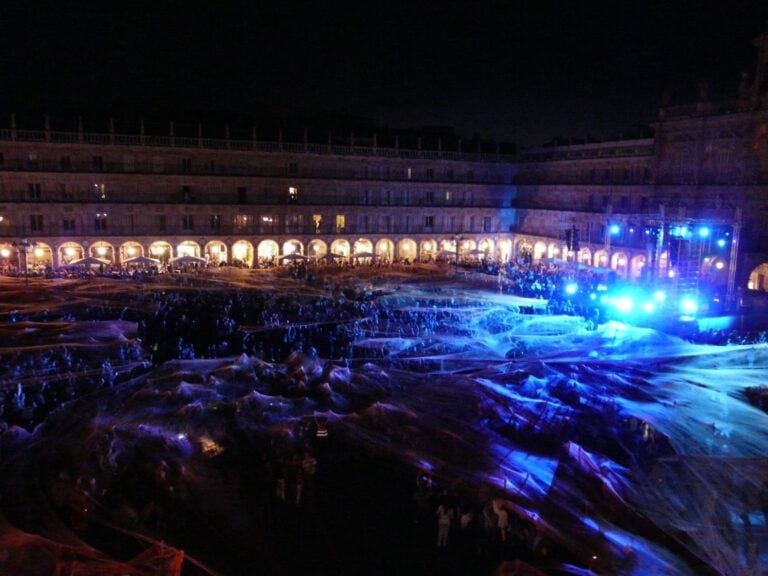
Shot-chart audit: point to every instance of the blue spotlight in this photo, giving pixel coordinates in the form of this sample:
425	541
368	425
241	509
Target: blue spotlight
722	242
615	229
624	304
659	295
689	306
704	231
649	307
571	288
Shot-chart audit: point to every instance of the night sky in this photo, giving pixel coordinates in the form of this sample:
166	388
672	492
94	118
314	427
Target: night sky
512	71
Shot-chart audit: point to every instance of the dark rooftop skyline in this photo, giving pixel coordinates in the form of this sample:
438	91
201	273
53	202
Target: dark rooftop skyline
511	71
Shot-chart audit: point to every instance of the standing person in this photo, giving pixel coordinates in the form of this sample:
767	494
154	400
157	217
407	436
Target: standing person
444	516
502	520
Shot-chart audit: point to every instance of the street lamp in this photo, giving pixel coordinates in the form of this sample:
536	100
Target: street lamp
24	246
457	240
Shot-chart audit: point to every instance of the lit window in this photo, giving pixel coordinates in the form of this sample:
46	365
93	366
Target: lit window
293	193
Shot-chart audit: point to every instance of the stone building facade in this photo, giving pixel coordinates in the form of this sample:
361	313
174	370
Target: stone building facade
687	204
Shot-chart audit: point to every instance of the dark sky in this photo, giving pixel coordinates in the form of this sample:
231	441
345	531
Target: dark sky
510	70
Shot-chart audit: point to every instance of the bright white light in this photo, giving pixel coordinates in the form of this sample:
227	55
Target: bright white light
39	252
689	306
659	295
69	251
649	307
615	229
101	250
721	242
624	304
5	252
131	250
239	251
704	231
719	264
571	288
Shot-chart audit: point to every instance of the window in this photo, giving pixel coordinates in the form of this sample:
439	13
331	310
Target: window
449	174
128	163
161	221
365	222
36	222
625	202
186	165
97	162
2	159
470	175
187	222
448	195
431	173
215	222
487	223
626	175
293	194
293	168
99	191
429	221
66	163
186	194
212	167
131	223
644	202
32	160
242	221
157	164
242	194
340	222
33	191
100	222
317	220
430	196
68	224
606	201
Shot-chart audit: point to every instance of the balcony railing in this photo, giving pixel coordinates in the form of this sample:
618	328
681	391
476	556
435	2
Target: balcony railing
243	145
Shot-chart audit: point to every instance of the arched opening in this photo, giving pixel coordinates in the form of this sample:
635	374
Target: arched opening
242	253
267	253
619	262
39	257
485	249
553	250
584	256
103	250
504	250
362	246
216	252
130	250
385	250
317	249
69	252
188	248
637	267
8	258
539	250
293	247
758	278
340	247
428	250
600	259
161	251
407	250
